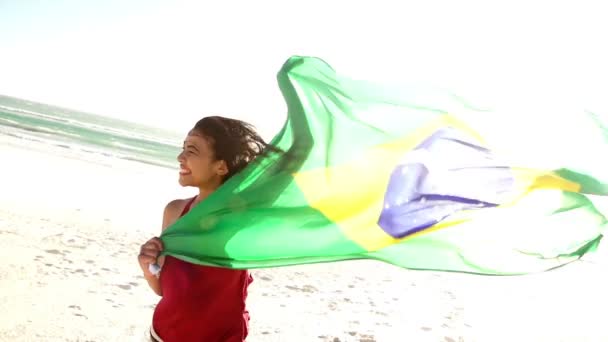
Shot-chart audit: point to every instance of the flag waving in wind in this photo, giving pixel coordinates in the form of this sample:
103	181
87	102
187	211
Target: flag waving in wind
413	178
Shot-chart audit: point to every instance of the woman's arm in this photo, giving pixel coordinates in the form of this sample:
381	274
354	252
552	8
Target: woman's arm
149	252
148	255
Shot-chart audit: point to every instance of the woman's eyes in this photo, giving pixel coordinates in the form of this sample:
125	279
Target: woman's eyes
189	151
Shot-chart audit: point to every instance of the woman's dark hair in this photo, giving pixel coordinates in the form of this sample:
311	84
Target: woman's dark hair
233	141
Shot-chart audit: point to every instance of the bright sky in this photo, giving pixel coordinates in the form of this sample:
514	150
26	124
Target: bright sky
168	63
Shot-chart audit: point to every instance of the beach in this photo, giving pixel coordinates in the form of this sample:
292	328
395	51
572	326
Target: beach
71	230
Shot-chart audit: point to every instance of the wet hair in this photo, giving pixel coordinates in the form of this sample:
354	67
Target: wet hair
234	141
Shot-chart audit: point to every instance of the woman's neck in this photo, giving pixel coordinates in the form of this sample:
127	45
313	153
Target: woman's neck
203	193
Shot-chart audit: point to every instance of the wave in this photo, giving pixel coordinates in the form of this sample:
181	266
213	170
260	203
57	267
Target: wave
88	152
9	121
127	146
85	136
37	129
128	132
18	110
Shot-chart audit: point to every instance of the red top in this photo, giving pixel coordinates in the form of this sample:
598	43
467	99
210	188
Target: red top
201	303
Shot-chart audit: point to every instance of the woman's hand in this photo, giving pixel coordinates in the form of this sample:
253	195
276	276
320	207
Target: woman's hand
148	255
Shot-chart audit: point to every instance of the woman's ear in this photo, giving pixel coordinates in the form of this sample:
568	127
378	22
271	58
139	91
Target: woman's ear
222	168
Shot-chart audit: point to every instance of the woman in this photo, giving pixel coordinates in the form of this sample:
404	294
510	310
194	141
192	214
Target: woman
201	303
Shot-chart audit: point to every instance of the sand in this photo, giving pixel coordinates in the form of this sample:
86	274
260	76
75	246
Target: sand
70	232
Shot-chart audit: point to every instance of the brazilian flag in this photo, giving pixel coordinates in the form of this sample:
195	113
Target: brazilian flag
405	175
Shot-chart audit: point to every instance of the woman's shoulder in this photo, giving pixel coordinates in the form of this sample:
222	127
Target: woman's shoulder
177	204
173	211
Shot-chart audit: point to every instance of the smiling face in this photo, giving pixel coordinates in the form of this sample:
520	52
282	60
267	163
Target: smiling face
198	164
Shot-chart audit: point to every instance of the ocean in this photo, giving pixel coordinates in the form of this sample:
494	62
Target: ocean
86	136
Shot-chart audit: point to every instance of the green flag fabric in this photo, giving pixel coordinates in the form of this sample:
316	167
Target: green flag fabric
405	175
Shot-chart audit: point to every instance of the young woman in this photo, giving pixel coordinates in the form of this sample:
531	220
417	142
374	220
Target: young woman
201	303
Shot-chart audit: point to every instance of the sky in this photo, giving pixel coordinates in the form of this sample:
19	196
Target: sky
169	63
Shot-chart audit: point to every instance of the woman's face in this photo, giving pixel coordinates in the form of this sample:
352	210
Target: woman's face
198	165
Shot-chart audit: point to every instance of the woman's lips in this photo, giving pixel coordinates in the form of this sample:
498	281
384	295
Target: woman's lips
184	171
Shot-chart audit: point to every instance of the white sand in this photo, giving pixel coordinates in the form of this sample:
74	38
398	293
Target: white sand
70	233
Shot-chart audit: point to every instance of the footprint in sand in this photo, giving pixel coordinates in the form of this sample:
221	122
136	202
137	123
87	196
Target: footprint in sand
74	242
367	338
305	288
105	269
77	309
362	337
332	306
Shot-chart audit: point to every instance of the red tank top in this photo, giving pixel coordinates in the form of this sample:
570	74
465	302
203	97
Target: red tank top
201	303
